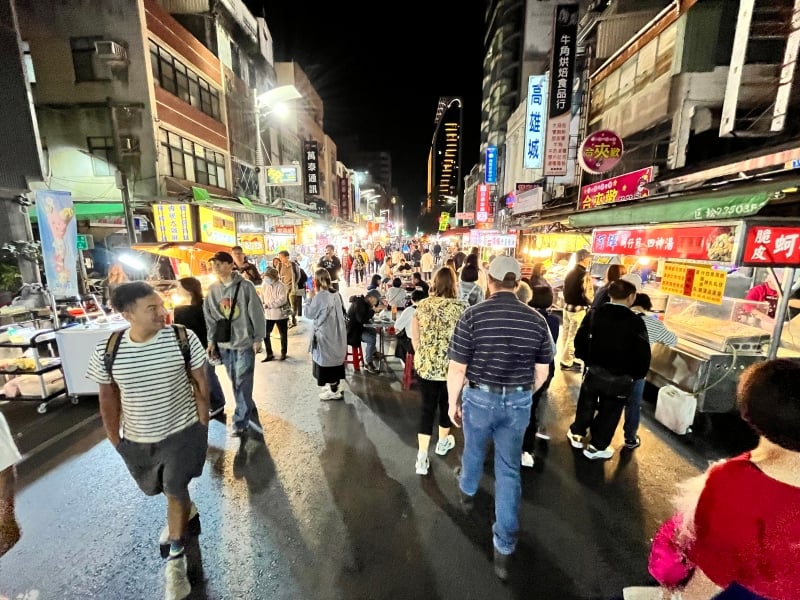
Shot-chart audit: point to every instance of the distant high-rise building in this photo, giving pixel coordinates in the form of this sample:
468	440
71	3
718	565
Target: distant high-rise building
444	160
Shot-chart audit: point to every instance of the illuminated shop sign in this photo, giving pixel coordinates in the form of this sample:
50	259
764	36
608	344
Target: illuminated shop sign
630	186
217	227
536	120
173	222
562	72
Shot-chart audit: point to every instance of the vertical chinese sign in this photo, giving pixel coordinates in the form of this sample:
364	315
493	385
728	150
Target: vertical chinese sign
58	233
311	164
562	71
344	197
536	117
482	204
491	164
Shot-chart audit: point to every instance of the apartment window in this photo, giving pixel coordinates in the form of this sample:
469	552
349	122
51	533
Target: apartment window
103	156
178	79
28	62
84	59
185	159
236	62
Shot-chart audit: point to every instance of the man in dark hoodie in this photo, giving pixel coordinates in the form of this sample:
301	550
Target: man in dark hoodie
613	338
234	299
361	311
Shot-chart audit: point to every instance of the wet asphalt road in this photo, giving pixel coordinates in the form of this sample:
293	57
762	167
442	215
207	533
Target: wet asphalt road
330	507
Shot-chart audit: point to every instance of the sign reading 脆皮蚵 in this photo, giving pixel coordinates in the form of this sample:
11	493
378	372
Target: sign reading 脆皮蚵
562	72
772	245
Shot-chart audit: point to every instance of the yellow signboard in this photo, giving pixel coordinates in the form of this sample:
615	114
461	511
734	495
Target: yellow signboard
173	222
252	244
694	281
217	227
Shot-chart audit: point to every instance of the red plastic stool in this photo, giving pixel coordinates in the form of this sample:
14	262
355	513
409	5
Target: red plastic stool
408	371
354	357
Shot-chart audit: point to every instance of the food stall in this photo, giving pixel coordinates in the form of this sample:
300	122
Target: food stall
553	249
697	266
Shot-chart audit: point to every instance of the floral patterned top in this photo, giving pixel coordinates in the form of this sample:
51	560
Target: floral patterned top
437	318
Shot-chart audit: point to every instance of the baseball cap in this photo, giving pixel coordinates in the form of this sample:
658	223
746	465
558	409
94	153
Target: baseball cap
375	294
222	257
502	265
634	279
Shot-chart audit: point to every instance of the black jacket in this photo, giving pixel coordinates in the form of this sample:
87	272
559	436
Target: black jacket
573	287
618	341
358	315
191	316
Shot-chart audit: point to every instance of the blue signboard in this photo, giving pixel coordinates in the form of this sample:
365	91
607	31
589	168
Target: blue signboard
491	164
536	122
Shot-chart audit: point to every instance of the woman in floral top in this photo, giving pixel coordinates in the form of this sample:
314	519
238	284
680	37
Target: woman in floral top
432	327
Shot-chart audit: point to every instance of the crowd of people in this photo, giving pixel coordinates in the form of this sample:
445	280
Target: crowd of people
483	344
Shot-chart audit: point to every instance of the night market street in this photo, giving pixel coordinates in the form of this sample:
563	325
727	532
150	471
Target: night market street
331	508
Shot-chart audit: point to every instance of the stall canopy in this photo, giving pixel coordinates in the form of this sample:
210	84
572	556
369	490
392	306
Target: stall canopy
91	210
192	253
204	198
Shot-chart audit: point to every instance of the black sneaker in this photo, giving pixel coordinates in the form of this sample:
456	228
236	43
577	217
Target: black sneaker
501	565
633	444
371	368
268	358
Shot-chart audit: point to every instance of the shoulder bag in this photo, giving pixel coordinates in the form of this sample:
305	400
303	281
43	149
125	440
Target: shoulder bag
222	334
600	380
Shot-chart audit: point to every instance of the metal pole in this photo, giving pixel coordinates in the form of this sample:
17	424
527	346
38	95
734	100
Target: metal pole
122	177
780	315
261	174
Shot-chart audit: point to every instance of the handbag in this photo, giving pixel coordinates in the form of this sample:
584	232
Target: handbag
600	380
668	562
222	334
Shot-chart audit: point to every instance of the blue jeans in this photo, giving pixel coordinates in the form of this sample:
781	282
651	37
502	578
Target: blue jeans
633	409
215	393
369	337
240	364
501	418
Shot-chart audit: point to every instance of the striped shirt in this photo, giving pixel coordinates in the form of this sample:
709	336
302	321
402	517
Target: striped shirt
156	395
657	332
500	340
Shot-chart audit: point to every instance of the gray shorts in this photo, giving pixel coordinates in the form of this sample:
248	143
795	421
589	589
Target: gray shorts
169	465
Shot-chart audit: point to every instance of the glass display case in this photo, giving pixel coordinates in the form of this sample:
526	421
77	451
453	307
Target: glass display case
735	325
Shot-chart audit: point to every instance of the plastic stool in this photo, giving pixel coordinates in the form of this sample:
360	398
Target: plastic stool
354	357
408	370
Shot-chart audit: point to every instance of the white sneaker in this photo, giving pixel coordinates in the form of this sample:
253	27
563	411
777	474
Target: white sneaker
423	464
526	460
176	583
330	395
542	434
163	539
593	453
325	391
575	440
443	446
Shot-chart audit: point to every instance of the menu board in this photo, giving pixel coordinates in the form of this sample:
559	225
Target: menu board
217	227
252	243
694	281
173	222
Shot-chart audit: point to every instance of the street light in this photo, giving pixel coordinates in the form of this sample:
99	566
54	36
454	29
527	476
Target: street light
275	101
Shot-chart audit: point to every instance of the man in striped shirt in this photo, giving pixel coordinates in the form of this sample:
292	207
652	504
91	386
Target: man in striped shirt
503	349
151	414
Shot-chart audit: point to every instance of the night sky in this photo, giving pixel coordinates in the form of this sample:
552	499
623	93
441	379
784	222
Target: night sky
380	68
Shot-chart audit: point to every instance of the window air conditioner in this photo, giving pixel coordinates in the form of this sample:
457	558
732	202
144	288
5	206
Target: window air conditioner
559	191
108	50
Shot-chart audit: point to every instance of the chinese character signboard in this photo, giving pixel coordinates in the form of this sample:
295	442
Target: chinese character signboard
528	201
624	188
694	281
710	243
58	233
283	175
482	204
311	163
491	164
773	246
536	119
252	244
344	197
562	71
600	152
444	220
173	222
216	227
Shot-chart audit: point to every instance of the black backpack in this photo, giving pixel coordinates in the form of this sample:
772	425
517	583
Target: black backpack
112	345
302	277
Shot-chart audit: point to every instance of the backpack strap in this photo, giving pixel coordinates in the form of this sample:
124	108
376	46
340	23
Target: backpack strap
112	345
183	344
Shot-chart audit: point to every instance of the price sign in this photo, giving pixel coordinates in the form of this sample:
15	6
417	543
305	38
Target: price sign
694	281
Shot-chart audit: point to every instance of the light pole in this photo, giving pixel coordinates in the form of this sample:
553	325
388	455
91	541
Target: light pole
275	100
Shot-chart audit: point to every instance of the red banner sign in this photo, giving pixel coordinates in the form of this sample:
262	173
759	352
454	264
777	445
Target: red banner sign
630	186
713	243
765	245
482	204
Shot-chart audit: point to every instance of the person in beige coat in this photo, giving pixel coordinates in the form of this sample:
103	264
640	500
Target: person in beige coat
275	297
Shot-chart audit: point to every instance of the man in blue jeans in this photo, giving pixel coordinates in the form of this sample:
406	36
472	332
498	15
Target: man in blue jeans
503	349
234	299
